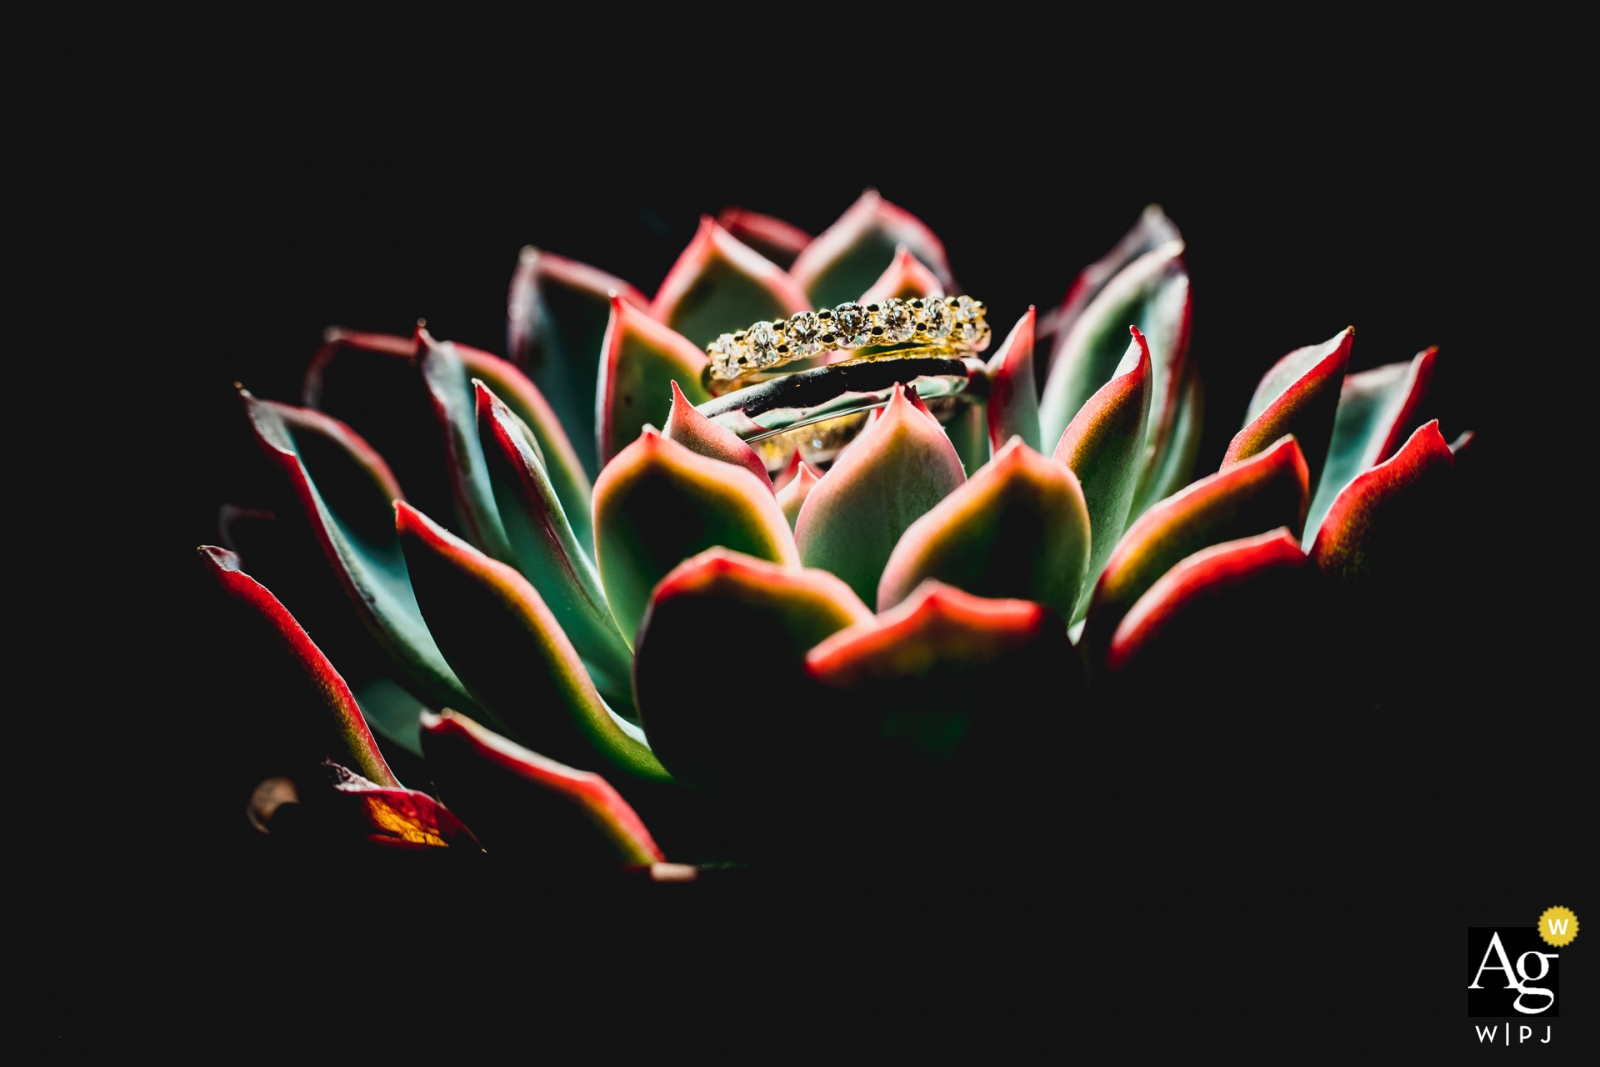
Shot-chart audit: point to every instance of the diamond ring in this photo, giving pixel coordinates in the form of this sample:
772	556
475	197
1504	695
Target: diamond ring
953	323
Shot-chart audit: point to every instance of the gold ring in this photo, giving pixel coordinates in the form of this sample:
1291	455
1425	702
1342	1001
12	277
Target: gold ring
954	324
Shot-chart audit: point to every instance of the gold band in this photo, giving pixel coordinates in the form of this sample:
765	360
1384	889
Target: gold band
954	324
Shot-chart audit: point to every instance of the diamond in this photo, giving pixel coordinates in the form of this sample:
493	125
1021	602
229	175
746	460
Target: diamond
936	319
763	343
850	321
969	318
895	318
805	334
727	356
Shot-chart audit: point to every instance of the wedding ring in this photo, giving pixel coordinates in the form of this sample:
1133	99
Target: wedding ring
953	324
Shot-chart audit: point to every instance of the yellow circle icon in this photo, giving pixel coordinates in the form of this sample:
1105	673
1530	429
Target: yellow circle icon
1558	926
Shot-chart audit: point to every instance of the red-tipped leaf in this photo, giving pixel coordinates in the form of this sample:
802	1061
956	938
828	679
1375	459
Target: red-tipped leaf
721	285
774	238
641	359
1299	395
694	431
850	255
1013	408
1019	528
905	278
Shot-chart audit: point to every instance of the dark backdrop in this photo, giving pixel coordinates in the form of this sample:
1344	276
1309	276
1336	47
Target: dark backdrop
1426	195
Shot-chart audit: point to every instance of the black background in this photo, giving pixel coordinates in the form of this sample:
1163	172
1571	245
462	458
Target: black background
244	197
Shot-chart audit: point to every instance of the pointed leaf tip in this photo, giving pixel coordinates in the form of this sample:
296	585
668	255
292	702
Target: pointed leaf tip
905	278
658	503
547	550
321	714
1263	492
557	311
792	497
505	644
849	256
1224	593
1018	528
694	431
1377	411
720	285
893	473
1382	517
641	358
523	802
1013	407
1104	446
774	238
1299	395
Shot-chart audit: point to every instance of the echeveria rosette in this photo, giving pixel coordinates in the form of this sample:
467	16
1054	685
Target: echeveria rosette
593	606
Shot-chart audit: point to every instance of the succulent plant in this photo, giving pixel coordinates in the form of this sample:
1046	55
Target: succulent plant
567	595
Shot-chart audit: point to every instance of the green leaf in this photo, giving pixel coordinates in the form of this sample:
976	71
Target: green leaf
1229	616
891	475
1013	408
1176	464
520	802
721	285
1104	446
393	712
658	503
454	409
320	712
1377	409
1152	293
750	733
948	684
547	551
1251	497
1019	528
854	252
1299	395
507	646
344	492
558	314
557	456
905	278
641	359
1382	520
792	497
694	431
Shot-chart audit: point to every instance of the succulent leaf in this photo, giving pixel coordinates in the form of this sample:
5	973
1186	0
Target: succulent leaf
1013	408
755	621
547	551
892	474
1218	595
1378	408
1382	513
905	278
850	255
1176	462
557	314
774	238
1151	293
506	645
947	681
1261	493
455	410
1299	395
371	383
1152	231
1019	528
389	815
341	487
1104	446
327	715
694	431
554	449
721	285
640	358
792	497
522	802
658	503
